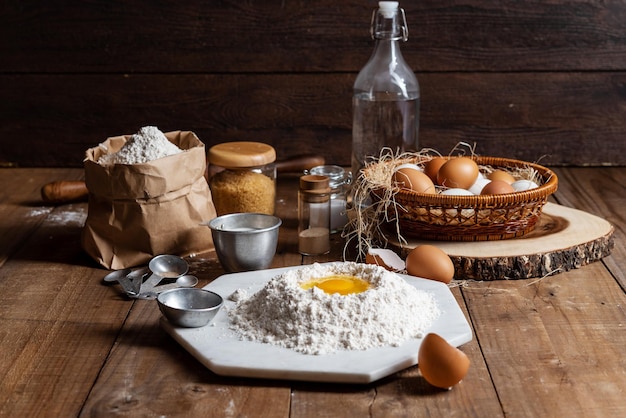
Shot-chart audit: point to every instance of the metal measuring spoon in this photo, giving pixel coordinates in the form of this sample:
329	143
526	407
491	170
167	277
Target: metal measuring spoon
186	280
136	278
164	267
121	276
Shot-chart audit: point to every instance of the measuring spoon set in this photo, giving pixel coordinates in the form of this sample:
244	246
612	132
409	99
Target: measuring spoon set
145	282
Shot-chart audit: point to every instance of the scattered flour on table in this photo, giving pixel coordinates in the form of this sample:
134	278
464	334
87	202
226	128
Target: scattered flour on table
71	216
312	321
146	145
66	215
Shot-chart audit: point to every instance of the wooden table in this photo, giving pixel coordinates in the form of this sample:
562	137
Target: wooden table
72	346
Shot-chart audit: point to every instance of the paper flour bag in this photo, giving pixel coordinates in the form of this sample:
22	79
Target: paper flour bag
138	210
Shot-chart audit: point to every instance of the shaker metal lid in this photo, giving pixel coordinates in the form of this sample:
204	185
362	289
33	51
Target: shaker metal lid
241	154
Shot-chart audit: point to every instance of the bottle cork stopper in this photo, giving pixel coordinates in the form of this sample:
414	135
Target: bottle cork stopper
388	8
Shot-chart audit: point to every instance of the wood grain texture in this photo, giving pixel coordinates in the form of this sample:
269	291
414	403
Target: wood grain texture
314	36
533	117
162	380
23	212
57	322
73	346
522	79
544	332
600	192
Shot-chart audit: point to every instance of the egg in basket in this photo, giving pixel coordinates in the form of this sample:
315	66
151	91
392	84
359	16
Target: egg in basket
393	191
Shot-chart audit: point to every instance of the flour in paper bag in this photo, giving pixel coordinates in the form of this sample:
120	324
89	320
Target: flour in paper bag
148	144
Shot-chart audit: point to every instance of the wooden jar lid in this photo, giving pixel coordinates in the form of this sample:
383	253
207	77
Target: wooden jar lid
241	154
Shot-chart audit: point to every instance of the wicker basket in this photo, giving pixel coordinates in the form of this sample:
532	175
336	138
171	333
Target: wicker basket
473	218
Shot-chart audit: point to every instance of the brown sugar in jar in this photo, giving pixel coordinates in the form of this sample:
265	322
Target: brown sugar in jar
243	177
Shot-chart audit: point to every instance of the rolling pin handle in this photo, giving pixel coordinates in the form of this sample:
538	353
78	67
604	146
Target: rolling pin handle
64	192
299	163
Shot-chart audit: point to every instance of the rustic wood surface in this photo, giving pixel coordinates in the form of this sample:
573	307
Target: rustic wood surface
529	80
563	239
73	346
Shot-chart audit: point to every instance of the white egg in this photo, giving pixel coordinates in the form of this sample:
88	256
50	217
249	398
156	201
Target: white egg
457	192
478	185
523	185
409	165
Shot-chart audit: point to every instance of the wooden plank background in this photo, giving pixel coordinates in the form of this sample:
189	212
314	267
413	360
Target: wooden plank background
535	80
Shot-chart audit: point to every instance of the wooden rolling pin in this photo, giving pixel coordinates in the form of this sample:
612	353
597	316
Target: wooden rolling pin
64	191
58	192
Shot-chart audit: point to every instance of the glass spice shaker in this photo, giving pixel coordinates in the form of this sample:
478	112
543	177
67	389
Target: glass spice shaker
242	177
339	181
314	215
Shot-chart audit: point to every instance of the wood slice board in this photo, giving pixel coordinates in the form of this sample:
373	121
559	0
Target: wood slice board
564	239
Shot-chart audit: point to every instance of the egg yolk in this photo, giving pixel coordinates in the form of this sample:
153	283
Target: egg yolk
338	283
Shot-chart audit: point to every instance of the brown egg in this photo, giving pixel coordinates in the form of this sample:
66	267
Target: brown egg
430	262
385	258
431	168
458	172
441	364
497	187
413	179
501	175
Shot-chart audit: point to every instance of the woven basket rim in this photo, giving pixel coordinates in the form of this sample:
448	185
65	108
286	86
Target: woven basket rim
549	186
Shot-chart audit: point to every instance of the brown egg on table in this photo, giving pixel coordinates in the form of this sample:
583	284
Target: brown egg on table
413	179
501	175
430	262
458	172
497	187
441	364
431	168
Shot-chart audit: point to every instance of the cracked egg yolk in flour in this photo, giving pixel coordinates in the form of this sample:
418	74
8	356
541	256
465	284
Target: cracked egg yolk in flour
338	283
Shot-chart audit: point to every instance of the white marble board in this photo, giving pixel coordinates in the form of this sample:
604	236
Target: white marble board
222	351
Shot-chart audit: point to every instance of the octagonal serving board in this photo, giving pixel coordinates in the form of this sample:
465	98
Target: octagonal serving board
222	351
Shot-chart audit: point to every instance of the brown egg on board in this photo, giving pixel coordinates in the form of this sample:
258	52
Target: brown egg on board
431	168
501	175
430	262
413	179
497	187
385	258
458	172
441	364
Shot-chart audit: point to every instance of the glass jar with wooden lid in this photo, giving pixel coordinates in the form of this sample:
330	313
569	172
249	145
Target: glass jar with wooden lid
242	177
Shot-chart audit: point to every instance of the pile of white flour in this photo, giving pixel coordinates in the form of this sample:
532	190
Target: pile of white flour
146	145
315	322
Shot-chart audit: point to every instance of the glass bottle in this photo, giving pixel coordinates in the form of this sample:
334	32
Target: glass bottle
386	97
339	182
314	215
